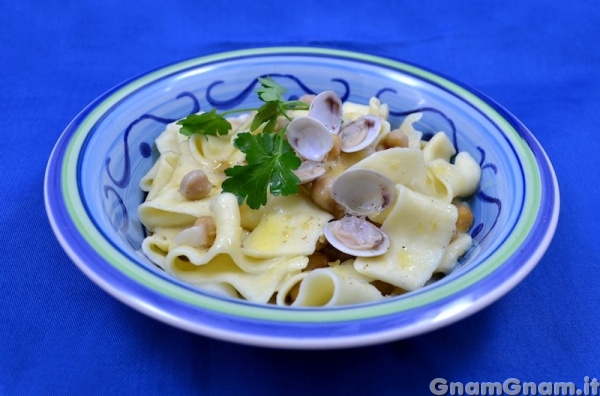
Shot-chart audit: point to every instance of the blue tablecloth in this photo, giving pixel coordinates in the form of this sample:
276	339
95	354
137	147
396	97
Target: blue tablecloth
61	334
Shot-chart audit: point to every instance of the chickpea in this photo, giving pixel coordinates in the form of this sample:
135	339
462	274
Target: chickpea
209	226
316	260
395	138
320	193
201	234
195	185
282	122
308	98
464	220
337	147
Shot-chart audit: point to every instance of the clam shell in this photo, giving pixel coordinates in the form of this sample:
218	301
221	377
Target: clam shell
326	107
309	138
357	237
362	192
360	133
310	170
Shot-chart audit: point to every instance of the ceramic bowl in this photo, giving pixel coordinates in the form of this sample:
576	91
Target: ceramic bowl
92	193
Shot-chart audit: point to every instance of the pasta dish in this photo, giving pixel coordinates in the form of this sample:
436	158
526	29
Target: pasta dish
379	210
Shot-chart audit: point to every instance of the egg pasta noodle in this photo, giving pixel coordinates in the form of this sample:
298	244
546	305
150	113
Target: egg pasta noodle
279	253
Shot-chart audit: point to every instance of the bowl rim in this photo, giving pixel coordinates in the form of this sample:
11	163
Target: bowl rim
448	309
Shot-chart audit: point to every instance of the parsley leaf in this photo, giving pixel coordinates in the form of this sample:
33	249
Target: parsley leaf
266	113
209	123
270	160
275	105
270	165
270	91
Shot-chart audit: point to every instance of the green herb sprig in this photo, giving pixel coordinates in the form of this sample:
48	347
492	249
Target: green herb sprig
270	160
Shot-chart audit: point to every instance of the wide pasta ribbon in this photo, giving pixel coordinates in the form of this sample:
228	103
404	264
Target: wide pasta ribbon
224	262
420	228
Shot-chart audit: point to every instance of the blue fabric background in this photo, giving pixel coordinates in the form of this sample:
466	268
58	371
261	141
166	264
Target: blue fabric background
60	334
